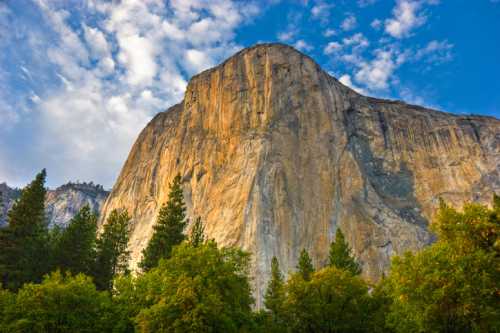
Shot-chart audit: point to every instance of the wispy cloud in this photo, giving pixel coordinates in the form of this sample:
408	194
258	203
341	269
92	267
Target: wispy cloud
117	64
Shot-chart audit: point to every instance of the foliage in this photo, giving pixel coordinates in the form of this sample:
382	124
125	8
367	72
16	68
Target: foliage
305	266
61	303
75	250
333	300
453	285
168	230
197	236
275	298
24	241
340	255
199	289
112	256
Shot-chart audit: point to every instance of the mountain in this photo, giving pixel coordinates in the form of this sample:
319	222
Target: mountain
275	155
7	197
62	203
65	201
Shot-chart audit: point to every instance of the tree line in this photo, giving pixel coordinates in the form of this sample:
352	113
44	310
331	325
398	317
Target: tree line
76	279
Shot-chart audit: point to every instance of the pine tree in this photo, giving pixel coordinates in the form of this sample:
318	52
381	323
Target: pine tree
112	255
340	255
75	250
197	236
305	266
24	242
168	230
275	293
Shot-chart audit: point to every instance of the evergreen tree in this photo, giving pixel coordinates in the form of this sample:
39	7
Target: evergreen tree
197	236
76	247
24	242
340	255
275	298
305	266
112	255
168	230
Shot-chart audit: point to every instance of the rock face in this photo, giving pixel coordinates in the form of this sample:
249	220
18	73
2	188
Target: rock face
62	203
276	155
7	197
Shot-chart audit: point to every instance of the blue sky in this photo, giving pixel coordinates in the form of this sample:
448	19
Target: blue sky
80	79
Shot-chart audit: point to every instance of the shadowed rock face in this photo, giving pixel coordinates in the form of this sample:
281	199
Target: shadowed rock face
61	204
64	202
275	155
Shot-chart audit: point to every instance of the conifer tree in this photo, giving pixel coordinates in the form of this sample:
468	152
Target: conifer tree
305	266
112	255
24	242
275	293
340	255
197	236
168	230
75	250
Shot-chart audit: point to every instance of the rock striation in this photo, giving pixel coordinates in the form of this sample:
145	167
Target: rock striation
276	155
61	204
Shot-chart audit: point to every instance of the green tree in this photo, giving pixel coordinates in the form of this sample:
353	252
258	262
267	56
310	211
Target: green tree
333	300
168	230
305	266
198	289
274	298
112	256
75	250
61	303
24	242
453	285
197	236
340	255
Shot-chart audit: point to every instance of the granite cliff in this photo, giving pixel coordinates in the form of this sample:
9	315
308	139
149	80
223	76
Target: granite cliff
276	155
62	203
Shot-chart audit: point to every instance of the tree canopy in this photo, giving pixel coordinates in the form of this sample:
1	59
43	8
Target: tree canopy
169	227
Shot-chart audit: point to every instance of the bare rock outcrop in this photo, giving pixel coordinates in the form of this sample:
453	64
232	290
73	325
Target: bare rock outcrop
61	204
276	155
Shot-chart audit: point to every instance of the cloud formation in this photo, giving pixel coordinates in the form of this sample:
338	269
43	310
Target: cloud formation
116	64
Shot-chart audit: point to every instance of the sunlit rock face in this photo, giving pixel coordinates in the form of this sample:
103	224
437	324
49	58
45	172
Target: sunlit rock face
61	204
276	155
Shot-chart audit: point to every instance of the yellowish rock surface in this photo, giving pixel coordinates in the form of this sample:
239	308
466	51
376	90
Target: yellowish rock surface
276	154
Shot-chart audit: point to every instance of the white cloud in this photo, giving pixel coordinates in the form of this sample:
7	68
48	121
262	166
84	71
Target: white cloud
346	80
349	23
125	62
406	18
356	40
96	40
436	52
332	47
321	11
303	45
329	33
375	74
376	24
197	60
286	36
